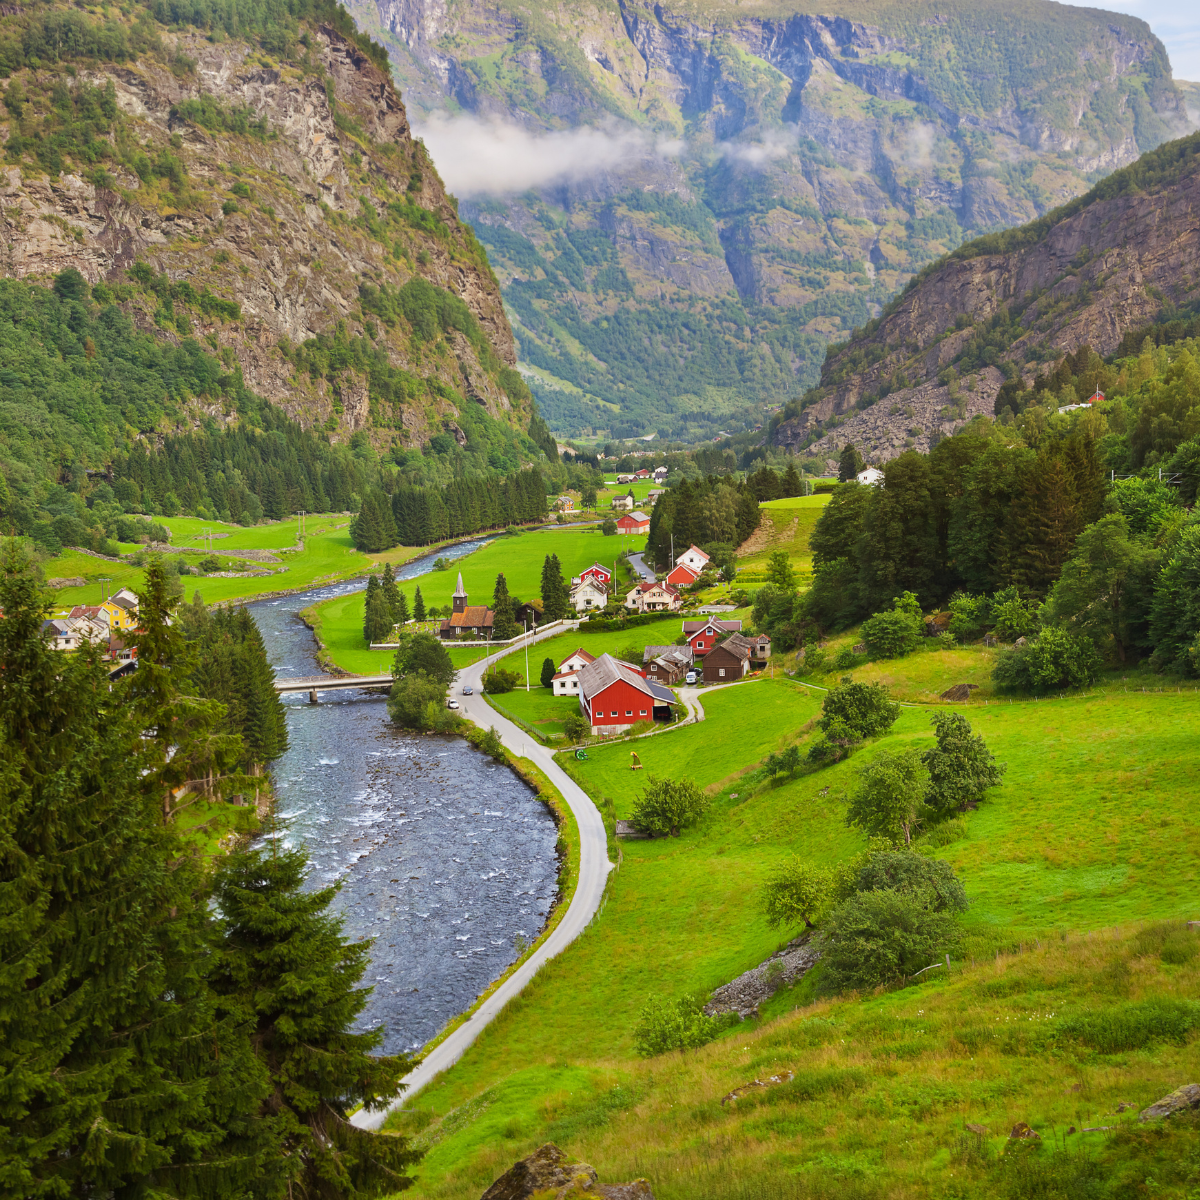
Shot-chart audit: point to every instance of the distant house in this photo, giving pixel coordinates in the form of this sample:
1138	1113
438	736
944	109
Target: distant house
761	648
465	620
1095	397
589	595
693	558
641	474
530	614
120	655
667	664
62	634
90	621
565	504
566	682
652	496
613	696
660	474
634	522
702	635
682	576
598	571
729	660
121	609
623	503
653	597
872	476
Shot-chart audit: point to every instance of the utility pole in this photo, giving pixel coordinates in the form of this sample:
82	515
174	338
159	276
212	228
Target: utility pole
525	626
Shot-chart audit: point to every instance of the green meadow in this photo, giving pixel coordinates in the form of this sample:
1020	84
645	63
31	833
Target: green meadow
1093	829
786	525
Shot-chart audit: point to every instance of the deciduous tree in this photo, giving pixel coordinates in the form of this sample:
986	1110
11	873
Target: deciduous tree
669	805
961	767
890	798
795	891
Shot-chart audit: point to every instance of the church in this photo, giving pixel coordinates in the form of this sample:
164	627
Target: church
466	621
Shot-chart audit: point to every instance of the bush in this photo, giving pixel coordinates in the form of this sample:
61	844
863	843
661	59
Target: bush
1013	617
665	1025
1132	1026
834	744
609	527
968	616
668	806
576	727
891	634
880	936
795	891
928	880
489	742
1057	659
411	699
961	767
847	660
816	658
864	708
498	681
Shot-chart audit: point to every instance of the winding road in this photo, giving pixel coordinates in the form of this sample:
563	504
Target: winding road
594	867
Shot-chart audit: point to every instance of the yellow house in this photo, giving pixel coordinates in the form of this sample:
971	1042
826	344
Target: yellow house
121	609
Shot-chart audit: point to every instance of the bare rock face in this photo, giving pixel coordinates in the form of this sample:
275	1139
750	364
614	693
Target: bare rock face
1180	1100
278	222
549	1171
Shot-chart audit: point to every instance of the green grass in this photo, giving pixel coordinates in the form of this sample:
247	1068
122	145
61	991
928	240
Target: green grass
1093	827
786	525
537	707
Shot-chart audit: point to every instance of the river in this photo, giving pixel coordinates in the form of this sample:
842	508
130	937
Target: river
443	857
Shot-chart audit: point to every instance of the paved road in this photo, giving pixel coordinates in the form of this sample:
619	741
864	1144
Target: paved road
639	565
593	874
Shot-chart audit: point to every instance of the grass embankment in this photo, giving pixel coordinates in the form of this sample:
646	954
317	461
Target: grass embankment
786	525
1092	827
519	557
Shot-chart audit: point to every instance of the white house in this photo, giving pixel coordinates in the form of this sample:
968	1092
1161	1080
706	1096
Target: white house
589	595
623	503
565	681
872	476
660	474
653	597
693	558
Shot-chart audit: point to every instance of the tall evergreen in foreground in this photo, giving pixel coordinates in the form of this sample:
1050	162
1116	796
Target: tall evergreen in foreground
503	625
287	975
554	589
418	605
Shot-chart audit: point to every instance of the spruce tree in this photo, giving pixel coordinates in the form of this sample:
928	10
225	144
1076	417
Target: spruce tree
390	592
377	621
792	484
402	613
288	975
554	590
503	625
850	463
372	592
418	605
549	670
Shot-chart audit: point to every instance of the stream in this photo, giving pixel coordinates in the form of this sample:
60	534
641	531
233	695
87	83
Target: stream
444	858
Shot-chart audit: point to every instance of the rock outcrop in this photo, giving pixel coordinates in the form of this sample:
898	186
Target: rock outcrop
316	187
744	994
1180	1100
548	1172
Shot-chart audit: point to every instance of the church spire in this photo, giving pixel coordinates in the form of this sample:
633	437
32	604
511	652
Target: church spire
460	596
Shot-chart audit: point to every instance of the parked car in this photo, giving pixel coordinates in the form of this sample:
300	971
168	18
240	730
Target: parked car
451	703
690	677
468	691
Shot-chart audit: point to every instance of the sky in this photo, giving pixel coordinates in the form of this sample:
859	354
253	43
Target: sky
1177	23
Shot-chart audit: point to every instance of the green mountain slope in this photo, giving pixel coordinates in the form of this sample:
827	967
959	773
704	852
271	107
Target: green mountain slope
771	178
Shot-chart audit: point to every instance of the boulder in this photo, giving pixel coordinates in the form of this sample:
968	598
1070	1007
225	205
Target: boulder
960	691
550	1170
1022	1132
1180	1100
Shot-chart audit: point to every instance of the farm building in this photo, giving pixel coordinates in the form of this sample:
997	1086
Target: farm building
613	696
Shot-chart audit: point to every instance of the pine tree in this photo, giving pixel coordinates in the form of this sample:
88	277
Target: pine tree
792	483
287	973
549	670
377	618
402	613
503	625
418	605
850	463
390	592
118	1077
554	590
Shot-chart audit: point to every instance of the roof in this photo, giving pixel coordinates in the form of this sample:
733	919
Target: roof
681	654
693	549
606	670
722	626
536	605
473	616
652	585
589	581
636	515
737	645
124	602
91	611
458	591
580	653
596	567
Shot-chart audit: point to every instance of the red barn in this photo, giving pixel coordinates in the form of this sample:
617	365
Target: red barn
613	696
634	522
682	576
702	636
600	573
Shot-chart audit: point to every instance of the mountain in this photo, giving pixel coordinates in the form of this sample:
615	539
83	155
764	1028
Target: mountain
247	188
1003	311
741	184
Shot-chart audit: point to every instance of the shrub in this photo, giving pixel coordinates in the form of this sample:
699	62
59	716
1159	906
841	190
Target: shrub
816	658
665	1025
668	806
795	891
880	936
928	880
968	616
890	799
609	527
1013	617
210	562
961	767
411	699
864	708
1131	1026
499	680
1057	659
491	745
834	744
891	634
576	727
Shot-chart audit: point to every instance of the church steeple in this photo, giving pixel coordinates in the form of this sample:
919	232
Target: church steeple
460	596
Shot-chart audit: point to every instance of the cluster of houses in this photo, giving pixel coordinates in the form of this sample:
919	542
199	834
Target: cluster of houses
659	475
106	624
614	695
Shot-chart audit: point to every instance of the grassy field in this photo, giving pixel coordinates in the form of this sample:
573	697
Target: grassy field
1093	827
786	525
538	707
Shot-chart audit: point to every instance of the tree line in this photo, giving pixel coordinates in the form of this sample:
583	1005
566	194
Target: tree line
715	509
172	1025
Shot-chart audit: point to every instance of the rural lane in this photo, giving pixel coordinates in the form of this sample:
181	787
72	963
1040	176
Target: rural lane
594	867
639	565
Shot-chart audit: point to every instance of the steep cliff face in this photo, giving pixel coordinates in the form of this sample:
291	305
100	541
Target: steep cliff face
1111	261
280	182
813	163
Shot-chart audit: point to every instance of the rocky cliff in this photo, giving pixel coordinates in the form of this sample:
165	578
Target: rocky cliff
281	209
761	179
1113	260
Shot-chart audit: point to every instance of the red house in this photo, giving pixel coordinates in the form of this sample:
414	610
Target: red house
634	522
641	474
702	636
613	696
599	573
682	576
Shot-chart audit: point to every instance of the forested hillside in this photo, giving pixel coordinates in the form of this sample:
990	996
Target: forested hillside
759	182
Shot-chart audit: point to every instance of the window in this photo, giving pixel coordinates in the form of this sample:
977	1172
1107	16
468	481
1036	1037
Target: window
629	712
643	713
721	672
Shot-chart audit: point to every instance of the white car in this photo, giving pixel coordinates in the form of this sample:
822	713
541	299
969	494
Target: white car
690	677
451	703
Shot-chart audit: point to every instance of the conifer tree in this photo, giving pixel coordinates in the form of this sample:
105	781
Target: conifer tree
503	625
390	592
402	613
554	589
792	484
850	463
418	605
549	670
288	975
377	617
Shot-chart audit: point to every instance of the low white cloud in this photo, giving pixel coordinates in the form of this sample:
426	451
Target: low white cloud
774	144
477	156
